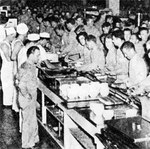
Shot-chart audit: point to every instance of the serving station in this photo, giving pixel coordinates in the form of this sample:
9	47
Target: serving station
83	111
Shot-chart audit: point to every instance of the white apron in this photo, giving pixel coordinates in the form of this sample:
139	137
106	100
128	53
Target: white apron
15	106
7	78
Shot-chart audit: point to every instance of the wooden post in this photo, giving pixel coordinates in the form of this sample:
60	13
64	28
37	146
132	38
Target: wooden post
44	116
114	5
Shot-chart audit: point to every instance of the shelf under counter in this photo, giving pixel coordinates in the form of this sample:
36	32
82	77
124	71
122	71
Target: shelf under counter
56	114
52	134
78	119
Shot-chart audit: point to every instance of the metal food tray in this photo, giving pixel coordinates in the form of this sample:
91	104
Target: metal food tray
79	103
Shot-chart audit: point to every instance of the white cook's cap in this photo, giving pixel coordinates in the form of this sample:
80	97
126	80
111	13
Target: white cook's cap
33	37
22	28
44	35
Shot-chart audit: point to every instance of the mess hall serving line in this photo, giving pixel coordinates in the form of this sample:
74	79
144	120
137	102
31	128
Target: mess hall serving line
77	125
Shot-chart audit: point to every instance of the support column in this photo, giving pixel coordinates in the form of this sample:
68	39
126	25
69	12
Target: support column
147	3
114	5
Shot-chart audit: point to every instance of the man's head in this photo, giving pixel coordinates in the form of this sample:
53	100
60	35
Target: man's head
33	54
90	42
134	38
39	18
46	22
106	27
81	37
109	19
144	34
128	49
44	38
54	21
89	20
118	38
79	20
60	29
127	34
70	23
103	15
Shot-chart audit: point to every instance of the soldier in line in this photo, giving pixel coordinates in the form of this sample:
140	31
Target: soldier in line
26	81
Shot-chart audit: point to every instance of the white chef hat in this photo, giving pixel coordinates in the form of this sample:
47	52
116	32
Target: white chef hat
44	35
22	28
10	30
33	37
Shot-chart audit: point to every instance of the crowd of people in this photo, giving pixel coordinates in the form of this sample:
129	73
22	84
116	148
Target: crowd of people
102	43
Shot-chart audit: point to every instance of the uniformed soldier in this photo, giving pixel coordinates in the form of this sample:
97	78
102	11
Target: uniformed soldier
96	55
137	66
121	68
72	41
92	30
26	81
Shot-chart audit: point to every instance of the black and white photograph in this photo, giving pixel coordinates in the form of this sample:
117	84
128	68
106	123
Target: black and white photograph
74	74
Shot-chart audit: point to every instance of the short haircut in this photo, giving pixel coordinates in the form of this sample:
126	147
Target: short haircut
78	16
31	50
71	21
47	19
89	17
118	34
59	27
144	29
79	29
106	24
91	38
128	30
53	19
108	17
128	46
40	15
81	34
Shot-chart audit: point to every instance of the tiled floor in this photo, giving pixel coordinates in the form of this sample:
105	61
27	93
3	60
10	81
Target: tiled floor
10	138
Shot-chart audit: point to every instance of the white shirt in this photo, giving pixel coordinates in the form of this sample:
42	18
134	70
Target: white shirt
137	70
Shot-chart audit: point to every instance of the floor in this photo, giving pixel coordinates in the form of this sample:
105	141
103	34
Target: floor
10	138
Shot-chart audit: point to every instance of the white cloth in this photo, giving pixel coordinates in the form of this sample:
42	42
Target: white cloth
7	78
22	56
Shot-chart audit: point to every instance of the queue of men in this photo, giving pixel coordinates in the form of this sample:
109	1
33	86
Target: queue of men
87	43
